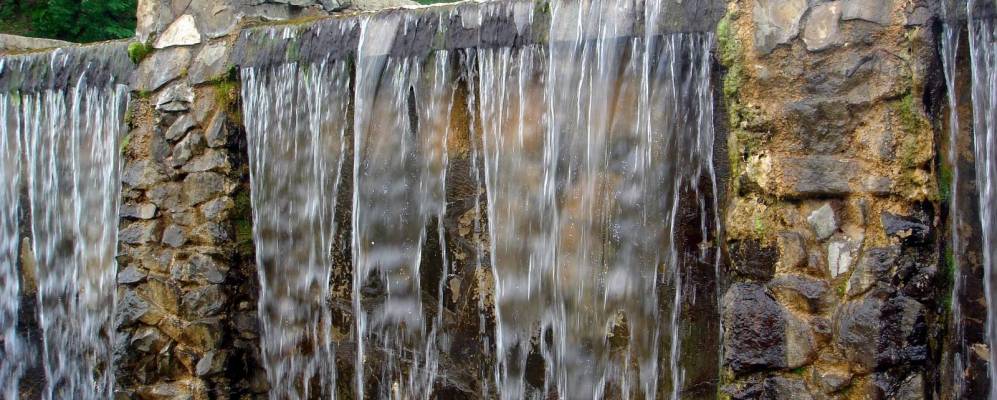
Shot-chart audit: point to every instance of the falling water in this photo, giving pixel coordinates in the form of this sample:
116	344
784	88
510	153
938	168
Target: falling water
589	143
70	139
401	120
949	51
983	55
11	365
297	143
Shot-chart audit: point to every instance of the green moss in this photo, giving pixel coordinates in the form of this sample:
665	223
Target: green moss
125	141
759	226
910	120
243	223
137	51
945	183
798	370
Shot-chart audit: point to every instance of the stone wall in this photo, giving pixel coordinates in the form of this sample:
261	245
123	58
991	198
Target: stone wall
838	289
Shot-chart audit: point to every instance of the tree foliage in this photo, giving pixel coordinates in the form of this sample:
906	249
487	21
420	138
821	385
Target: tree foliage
72	20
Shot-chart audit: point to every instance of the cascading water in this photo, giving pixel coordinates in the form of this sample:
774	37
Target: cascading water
11	366
401	121
983	55
69	134
949	51
297	141
589	142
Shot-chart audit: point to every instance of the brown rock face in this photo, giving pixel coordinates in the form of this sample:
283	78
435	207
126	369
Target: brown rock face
832	151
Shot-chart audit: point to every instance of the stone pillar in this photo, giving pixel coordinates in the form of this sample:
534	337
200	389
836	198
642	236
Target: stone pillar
836	286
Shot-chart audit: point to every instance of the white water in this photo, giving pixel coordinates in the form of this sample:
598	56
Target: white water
296	128
70	143
586	146
983	55
11	353
399	177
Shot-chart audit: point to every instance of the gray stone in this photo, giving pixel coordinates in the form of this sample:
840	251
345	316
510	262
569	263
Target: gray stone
217	209
799	292
208	364
175	98
792	252
877	185
174	236
199	268
141	174
823	221
878	11
216	18
841	253
165	391
182	32
801	346
14	43
818	176
832	381
167	196
754	329
911	388
130	308
210	63
874	266
179	127
191	145
131	275
908	229
205	104
822	125
784	388
776	22
139	232
822	31
160	68
140	211
201	186
856	332
210	160
919	17
202	302
217	133
148	340
211	233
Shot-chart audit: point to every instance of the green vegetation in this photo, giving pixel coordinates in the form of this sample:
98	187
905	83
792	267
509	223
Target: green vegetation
79	21
137	51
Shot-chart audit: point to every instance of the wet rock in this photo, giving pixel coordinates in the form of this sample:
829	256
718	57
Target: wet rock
199	268
248	325
190	146
911	389
216	18
754	329
210	63
210	160
182	32
776	22
792	252
160	294
201	186
874	266
130	308
204	301
148	340
799	292
167	196
919	17
822	27
174	236
217	209
801	346
751	259
130	275
818	176
139	211
832	381
165	391
823	221
211	233
783	388
141	174
139	232
822	126
856	332
217	133
904	336
160	68
179	127
203	333
14	43
910	230
878	11
211	363
917	273
175	98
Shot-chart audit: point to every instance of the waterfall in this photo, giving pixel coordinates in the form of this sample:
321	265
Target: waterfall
949	51
69	133
591	142
11	365
983	55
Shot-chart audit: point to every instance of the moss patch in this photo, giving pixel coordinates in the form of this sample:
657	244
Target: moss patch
137	51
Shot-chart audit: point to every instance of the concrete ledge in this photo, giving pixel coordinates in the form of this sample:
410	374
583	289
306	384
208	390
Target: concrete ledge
105	63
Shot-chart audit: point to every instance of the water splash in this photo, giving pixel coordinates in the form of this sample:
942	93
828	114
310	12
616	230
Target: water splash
297	144
70	138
